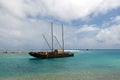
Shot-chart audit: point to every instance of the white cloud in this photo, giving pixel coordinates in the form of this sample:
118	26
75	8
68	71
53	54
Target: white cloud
18	31
107	5
90	36
65	10
87	28
110	35
68	10
14	7
116	19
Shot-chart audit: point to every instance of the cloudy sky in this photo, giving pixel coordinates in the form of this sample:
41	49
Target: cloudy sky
92	24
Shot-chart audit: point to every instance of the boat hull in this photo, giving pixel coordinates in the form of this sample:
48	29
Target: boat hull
50	54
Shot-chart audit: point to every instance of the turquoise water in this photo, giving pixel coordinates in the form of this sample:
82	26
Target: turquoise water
85	65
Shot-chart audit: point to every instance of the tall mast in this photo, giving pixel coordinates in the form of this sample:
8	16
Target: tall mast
63	37
52	34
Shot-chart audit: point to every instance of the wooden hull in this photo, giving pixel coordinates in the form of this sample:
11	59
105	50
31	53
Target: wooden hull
50	54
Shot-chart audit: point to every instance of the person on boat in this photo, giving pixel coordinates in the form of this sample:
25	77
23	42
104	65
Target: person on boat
46	53
56	51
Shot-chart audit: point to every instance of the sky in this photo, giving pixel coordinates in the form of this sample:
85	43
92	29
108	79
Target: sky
88	24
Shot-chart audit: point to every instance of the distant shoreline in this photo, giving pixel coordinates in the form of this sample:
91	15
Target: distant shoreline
32	50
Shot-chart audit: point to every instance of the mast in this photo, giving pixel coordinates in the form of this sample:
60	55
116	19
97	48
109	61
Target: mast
62	37
52	34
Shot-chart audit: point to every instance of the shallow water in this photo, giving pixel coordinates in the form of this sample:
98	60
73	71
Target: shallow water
85	65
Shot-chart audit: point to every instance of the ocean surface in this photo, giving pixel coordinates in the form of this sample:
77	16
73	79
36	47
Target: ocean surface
85	65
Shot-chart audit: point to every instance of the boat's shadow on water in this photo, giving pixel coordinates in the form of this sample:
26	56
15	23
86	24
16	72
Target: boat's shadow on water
45	59
40	58
49	58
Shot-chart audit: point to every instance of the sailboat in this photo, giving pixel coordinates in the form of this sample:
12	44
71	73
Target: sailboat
53	53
